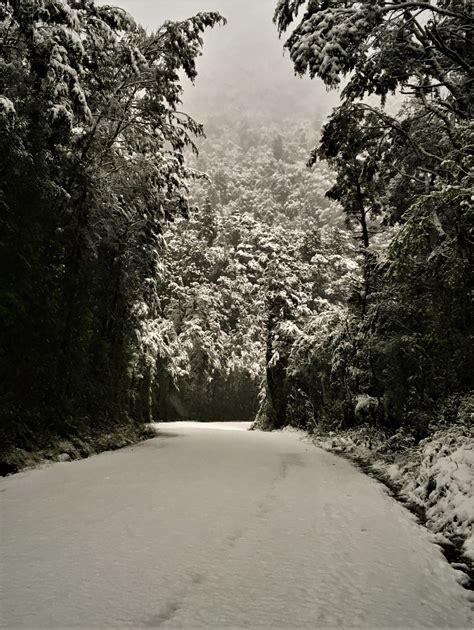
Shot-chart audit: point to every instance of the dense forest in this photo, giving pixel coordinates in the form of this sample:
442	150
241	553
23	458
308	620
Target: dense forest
263	232
318	274
92	166
400	353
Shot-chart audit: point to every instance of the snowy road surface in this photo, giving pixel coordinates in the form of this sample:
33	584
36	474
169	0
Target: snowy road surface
205	528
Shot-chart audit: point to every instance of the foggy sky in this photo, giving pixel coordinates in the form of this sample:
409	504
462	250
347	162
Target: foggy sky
243	72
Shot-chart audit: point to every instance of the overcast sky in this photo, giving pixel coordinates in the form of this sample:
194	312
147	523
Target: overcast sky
243	71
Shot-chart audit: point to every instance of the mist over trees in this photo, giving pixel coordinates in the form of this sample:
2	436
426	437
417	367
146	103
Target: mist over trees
243	71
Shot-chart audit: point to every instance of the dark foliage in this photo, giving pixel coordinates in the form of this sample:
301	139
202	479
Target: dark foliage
92	166
401	353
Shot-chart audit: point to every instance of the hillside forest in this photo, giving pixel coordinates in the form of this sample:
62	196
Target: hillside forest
316	273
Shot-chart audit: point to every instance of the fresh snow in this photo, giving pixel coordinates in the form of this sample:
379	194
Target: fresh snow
156	427
6	106
437	475
443	483
207	528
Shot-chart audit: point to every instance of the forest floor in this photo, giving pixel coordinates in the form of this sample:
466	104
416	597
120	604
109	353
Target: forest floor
433	479
209	528
79	444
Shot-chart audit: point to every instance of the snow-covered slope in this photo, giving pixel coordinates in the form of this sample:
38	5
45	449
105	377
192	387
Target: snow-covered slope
441	480
203	528
437	475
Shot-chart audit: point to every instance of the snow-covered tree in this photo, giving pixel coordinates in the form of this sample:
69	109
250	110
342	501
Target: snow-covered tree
405	337
93	166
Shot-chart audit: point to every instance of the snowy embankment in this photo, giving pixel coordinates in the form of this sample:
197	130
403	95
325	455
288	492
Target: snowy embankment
442	482
436	477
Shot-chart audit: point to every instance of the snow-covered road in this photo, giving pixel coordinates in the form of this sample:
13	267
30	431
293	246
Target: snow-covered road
206	528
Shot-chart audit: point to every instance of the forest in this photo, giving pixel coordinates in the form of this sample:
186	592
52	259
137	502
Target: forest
317	274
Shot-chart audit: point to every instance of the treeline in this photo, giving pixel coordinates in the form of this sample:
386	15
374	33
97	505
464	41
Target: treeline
133	288
399	356
92	167
261	231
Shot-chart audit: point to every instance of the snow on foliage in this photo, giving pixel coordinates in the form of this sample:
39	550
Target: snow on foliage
6	106
99	150
365	406
442	482
256	245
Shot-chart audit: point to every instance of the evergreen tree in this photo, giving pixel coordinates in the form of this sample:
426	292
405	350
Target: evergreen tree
92	166
406	181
